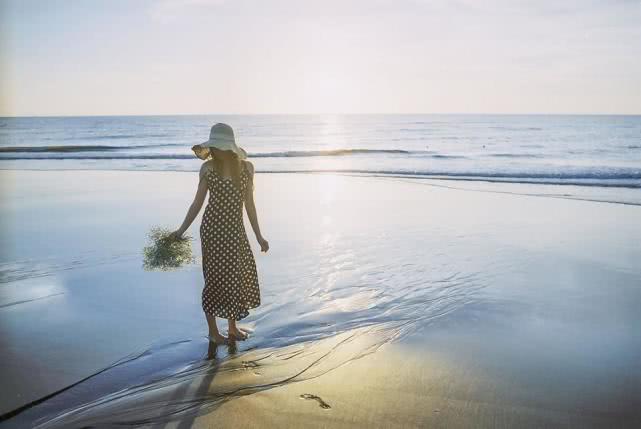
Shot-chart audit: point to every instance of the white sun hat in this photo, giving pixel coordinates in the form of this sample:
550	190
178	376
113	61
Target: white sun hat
221	137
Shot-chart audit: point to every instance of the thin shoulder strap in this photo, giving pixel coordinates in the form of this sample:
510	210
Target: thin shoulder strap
205	169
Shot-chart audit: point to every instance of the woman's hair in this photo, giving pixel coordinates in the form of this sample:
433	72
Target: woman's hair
232	160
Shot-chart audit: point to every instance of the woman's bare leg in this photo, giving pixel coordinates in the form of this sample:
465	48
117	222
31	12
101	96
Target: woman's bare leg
213	330
234	331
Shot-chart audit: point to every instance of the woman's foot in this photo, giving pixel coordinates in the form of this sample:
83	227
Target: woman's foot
217	338
236	333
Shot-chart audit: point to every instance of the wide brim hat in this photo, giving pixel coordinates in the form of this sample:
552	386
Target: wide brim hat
221	137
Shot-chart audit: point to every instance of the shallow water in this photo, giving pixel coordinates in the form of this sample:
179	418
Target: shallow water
369	262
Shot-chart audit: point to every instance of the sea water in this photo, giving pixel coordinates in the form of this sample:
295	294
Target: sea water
584	150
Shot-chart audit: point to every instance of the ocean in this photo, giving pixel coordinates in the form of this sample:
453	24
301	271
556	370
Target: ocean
583	150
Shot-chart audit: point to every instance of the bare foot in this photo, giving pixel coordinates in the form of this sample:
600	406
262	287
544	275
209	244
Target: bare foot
237	334
217	338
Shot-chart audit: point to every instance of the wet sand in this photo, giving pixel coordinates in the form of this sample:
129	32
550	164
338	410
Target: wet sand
386	303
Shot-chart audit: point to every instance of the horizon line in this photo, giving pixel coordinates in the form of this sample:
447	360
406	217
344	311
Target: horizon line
318	114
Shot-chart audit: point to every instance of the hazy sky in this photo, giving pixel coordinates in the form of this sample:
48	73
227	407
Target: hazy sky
330	56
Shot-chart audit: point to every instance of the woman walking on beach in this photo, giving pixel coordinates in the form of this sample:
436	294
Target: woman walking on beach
231	280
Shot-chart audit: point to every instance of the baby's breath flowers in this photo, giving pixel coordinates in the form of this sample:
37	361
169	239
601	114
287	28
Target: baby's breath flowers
166	253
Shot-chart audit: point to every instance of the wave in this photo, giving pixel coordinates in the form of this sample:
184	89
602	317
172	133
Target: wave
119	152
596	179
75	148
404	163
514	155
616	179
118	136
615	175
97	157
106	148
330	152
508	128
440	156
8	151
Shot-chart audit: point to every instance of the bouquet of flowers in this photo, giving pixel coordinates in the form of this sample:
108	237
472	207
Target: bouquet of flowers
166	252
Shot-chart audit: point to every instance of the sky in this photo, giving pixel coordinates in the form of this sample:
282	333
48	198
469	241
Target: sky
134	57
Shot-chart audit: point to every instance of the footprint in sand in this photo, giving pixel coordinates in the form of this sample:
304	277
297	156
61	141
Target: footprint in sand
321	403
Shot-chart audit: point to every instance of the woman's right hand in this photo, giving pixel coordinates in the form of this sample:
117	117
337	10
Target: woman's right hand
264	244
176	235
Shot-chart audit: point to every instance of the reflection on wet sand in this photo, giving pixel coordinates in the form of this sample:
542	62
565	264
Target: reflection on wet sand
508	302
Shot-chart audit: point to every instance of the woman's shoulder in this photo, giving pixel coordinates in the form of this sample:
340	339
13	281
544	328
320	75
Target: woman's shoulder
206	167
248	166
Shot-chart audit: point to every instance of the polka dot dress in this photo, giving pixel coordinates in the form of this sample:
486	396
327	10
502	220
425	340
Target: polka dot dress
231	280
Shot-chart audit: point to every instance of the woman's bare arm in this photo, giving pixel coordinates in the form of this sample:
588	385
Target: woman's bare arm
197	204
250	207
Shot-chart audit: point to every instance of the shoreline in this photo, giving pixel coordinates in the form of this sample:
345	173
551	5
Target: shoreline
579	182
614	194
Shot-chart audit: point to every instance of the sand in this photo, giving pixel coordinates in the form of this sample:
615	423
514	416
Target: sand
386	303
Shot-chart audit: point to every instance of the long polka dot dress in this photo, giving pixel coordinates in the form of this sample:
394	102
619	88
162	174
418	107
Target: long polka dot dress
231	281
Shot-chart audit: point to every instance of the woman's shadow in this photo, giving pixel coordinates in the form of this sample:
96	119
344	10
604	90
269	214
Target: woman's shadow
200	392
212	351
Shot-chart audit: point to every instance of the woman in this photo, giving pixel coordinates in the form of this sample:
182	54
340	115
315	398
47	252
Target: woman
231	280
